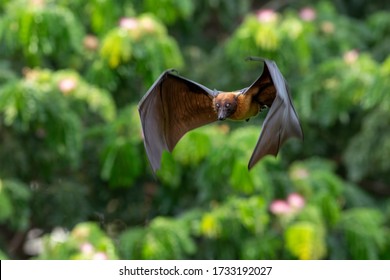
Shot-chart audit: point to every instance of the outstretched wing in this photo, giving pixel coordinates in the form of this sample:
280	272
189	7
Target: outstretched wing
171	107
282	121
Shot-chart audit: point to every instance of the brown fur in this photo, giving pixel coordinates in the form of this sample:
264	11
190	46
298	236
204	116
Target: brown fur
243	107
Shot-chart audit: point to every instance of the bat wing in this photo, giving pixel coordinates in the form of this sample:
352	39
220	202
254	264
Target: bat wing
282	121
171	107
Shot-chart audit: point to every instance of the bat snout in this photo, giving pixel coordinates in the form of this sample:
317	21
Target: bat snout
221	116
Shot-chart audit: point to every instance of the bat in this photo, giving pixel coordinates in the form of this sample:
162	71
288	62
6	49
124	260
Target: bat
175	105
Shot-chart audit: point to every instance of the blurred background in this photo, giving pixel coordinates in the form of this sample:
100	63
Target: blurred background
75	182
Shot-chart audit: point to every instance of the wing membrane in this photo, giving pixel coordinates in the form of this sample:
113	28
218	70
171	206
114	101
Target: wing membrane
282	121
172	107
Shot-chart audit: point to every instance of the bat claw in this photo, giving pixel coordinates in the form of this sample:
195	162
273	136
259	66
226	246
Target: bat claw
263	107
172	70
254	58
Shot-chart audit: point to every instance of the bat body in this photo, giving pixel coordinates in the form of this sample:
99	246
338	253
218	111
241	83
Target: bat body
175	105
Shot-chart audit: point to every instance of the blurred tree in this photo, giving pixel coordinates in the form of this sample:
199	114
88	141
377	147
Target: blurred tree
45	34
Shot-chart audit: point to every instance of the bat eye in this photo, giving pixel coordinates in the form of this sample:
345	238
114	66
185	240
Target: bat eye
227	105
217	105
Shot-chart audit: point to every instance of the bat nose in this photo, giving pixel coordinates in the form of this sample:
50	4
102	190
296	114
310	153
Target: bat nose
221	116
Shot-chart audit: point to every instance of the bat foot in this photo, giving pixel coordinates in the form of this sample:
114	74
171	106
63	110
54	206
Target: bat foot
263	107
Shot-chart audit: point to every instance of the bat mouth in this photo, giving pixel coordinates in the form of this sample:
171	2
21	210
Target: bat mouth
222	114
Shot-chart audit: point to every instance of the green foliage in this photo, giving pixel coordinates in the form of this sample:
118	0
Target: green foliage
364	233
142	42
86	241
211	148
373	144
169	11
314	178
345	85
14	204
164	238
265	34
378	23
72	73
3	256
40	31
51	107
224	13
249	213
131	55
122	148
93	14
305	241
61	194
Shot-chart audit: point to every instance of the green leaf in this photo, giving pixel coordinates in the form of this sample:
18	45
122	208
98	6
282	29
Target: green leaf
6	209
364	232
15	199
164	238
306	241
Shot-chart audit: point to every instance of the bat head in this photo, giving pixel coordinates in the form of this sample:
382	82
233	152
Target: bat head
225	104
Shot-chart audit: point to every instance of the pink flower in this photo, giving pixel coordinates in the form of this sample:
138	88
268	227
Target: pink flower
86	248
280	207
327	27
351	56
66	85
307	14
100	256
128	23
266	15
91	42
296	201
291	205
